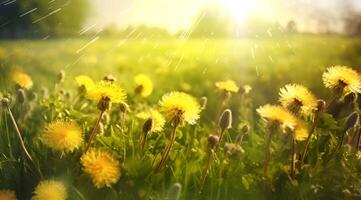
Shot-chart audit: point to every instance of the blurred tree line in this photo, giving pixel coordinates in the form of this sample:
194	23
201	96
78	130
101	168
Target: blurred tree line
41	18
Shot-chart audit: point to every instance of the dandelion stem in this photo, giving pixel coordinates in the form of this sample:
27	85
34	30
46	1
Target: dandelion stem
293	161
206	170
220	138
167	149
267	155
21	141
94	132
358	139
308	140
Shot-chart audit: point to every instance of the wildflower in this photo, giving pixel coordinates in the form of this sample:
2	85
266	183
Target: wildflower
50	189
23	80
144	86
85	82
102	167
7	195
108	90
158	119
180	106
228	86
277	115
62	136
342	79
296	98
246	89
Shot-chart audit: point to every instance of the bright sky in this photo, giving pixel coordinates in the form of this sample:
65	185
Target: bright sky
179	14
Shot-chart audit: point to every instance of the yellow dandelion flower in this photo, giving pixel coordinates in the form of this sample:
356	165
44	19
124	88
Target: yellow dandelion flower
179	105
50	189
84	81
285	119
158	119
7	195
300	132
144	85
22	79
297	97
62	136
342	77
105	89
102	167
228	86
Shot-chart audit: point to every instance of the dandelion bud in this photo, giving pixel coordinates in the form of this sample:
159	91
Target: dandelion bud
174	192
110	78
124	107
68	94
62	92
320	105
348	99
203	103
213	140
61	76
44	92
352	120
148	125
5	102
104	104
245	129
225	121
20	95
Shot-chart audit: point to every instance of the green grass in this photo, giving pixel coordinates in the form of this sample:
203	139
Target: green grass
192	66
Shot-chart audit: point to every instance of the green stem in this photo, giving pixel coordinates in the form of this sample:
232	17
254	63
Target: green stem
94	132
21	142
167	149
293	161
308	141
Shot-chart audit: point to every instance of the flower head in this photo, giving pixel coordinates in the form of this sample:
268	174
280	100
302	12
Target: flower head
144	86
180	106
62	136
84	81
50	189
296	97
104	89
157	117
278	115
228	86
342	77
7	195
22	79
101	166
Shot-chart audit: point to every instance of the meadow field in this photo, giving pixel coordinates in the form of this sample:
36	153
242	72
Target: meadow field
200	165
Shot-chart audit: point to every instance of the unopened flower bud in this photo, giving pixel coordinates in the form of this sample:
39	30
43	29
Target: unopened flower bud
104	104
203	102
225	121
348	99
174	192
245	129
213	140
320	105
148	125
20	95
61	76
124	107
5	102
352	120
